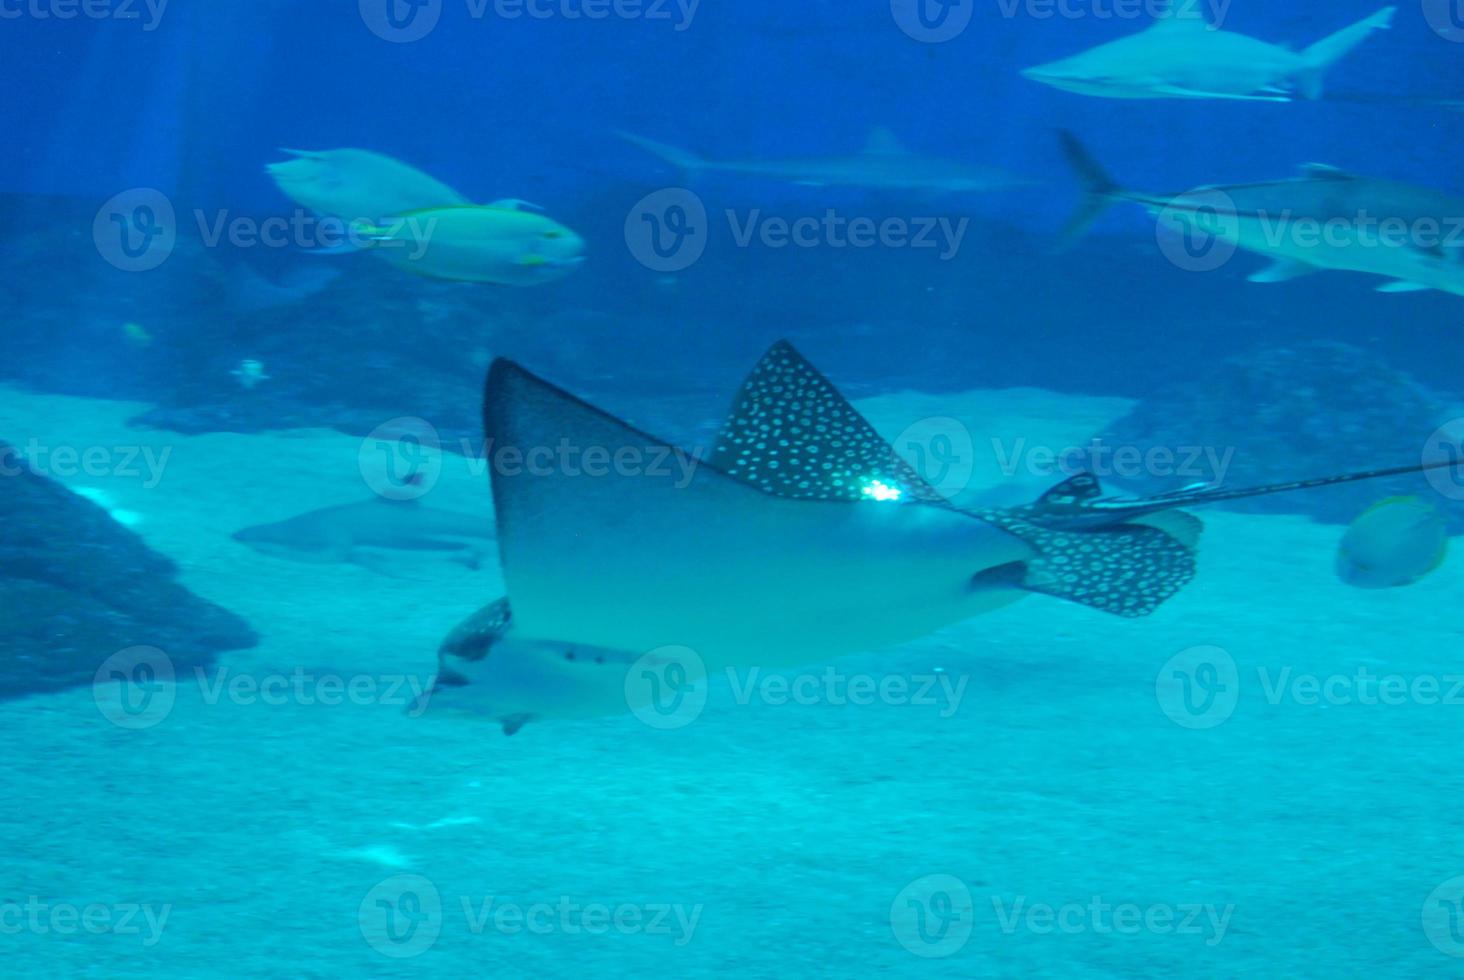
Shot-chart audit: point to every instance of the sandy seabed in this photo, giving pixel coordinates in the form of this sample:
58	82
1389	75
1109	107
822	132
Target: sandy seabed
1067	815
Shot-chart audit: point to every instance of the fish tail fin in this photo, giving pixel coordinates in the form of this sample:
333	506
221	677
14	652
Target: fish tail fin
674	155
1329	50
1099	190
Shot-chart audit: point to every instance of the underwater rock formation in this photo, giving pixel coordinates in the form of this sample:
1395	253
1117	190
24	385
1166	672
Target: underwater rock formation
77	587
1284	413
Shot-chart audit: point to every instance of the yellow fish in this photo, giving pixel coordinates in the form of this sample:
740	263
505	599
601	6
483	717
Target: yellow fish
1394	542
500	243
358	185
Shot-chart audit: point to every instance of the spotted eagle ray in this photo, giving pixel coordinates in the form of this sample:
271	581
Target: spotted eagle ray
1183	56
803	536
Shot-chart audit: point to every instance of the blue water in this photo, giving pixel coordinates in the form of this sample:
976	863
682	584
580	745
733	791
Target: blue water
1073	813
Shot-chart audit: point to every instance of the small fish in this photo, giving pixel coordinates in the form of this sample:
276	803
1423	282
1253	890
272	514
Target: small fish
249	373
504	243
1394	542
1183	56
137	335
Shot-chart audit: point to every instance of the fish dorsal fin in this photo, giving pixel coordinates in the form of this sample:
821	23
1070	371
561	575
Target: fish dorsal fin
793	434
883	142
1324	171
513	204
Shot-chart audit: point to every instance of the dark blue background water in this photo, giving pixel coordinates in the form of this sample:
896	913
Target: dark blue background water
525	108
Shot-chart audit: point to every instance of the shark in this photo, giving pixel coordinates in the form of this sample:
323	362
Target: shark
884	164
1322	219
1183	56
803	535
365	534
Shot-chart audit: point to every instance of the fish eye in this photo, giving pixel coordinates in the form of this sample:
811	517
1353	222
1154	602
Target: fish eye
569	655
553	234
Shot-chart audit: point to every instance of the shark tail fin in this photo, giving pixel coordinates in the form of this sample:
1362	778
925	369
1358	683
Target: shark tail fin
1099	190
1329	50
685	160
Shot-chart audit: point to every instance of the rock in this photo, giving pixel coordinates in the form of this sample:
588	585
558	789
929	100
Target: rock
1286	413
78	587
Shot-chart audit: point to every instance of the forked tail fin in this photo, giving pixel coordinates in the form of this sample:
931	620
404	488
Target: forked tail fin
1099	190
1329	50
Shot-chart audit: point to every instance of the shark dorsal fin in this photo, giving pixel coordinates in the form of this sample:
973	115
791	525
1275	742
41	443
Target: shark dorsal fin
883	142
1324	171
793	434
